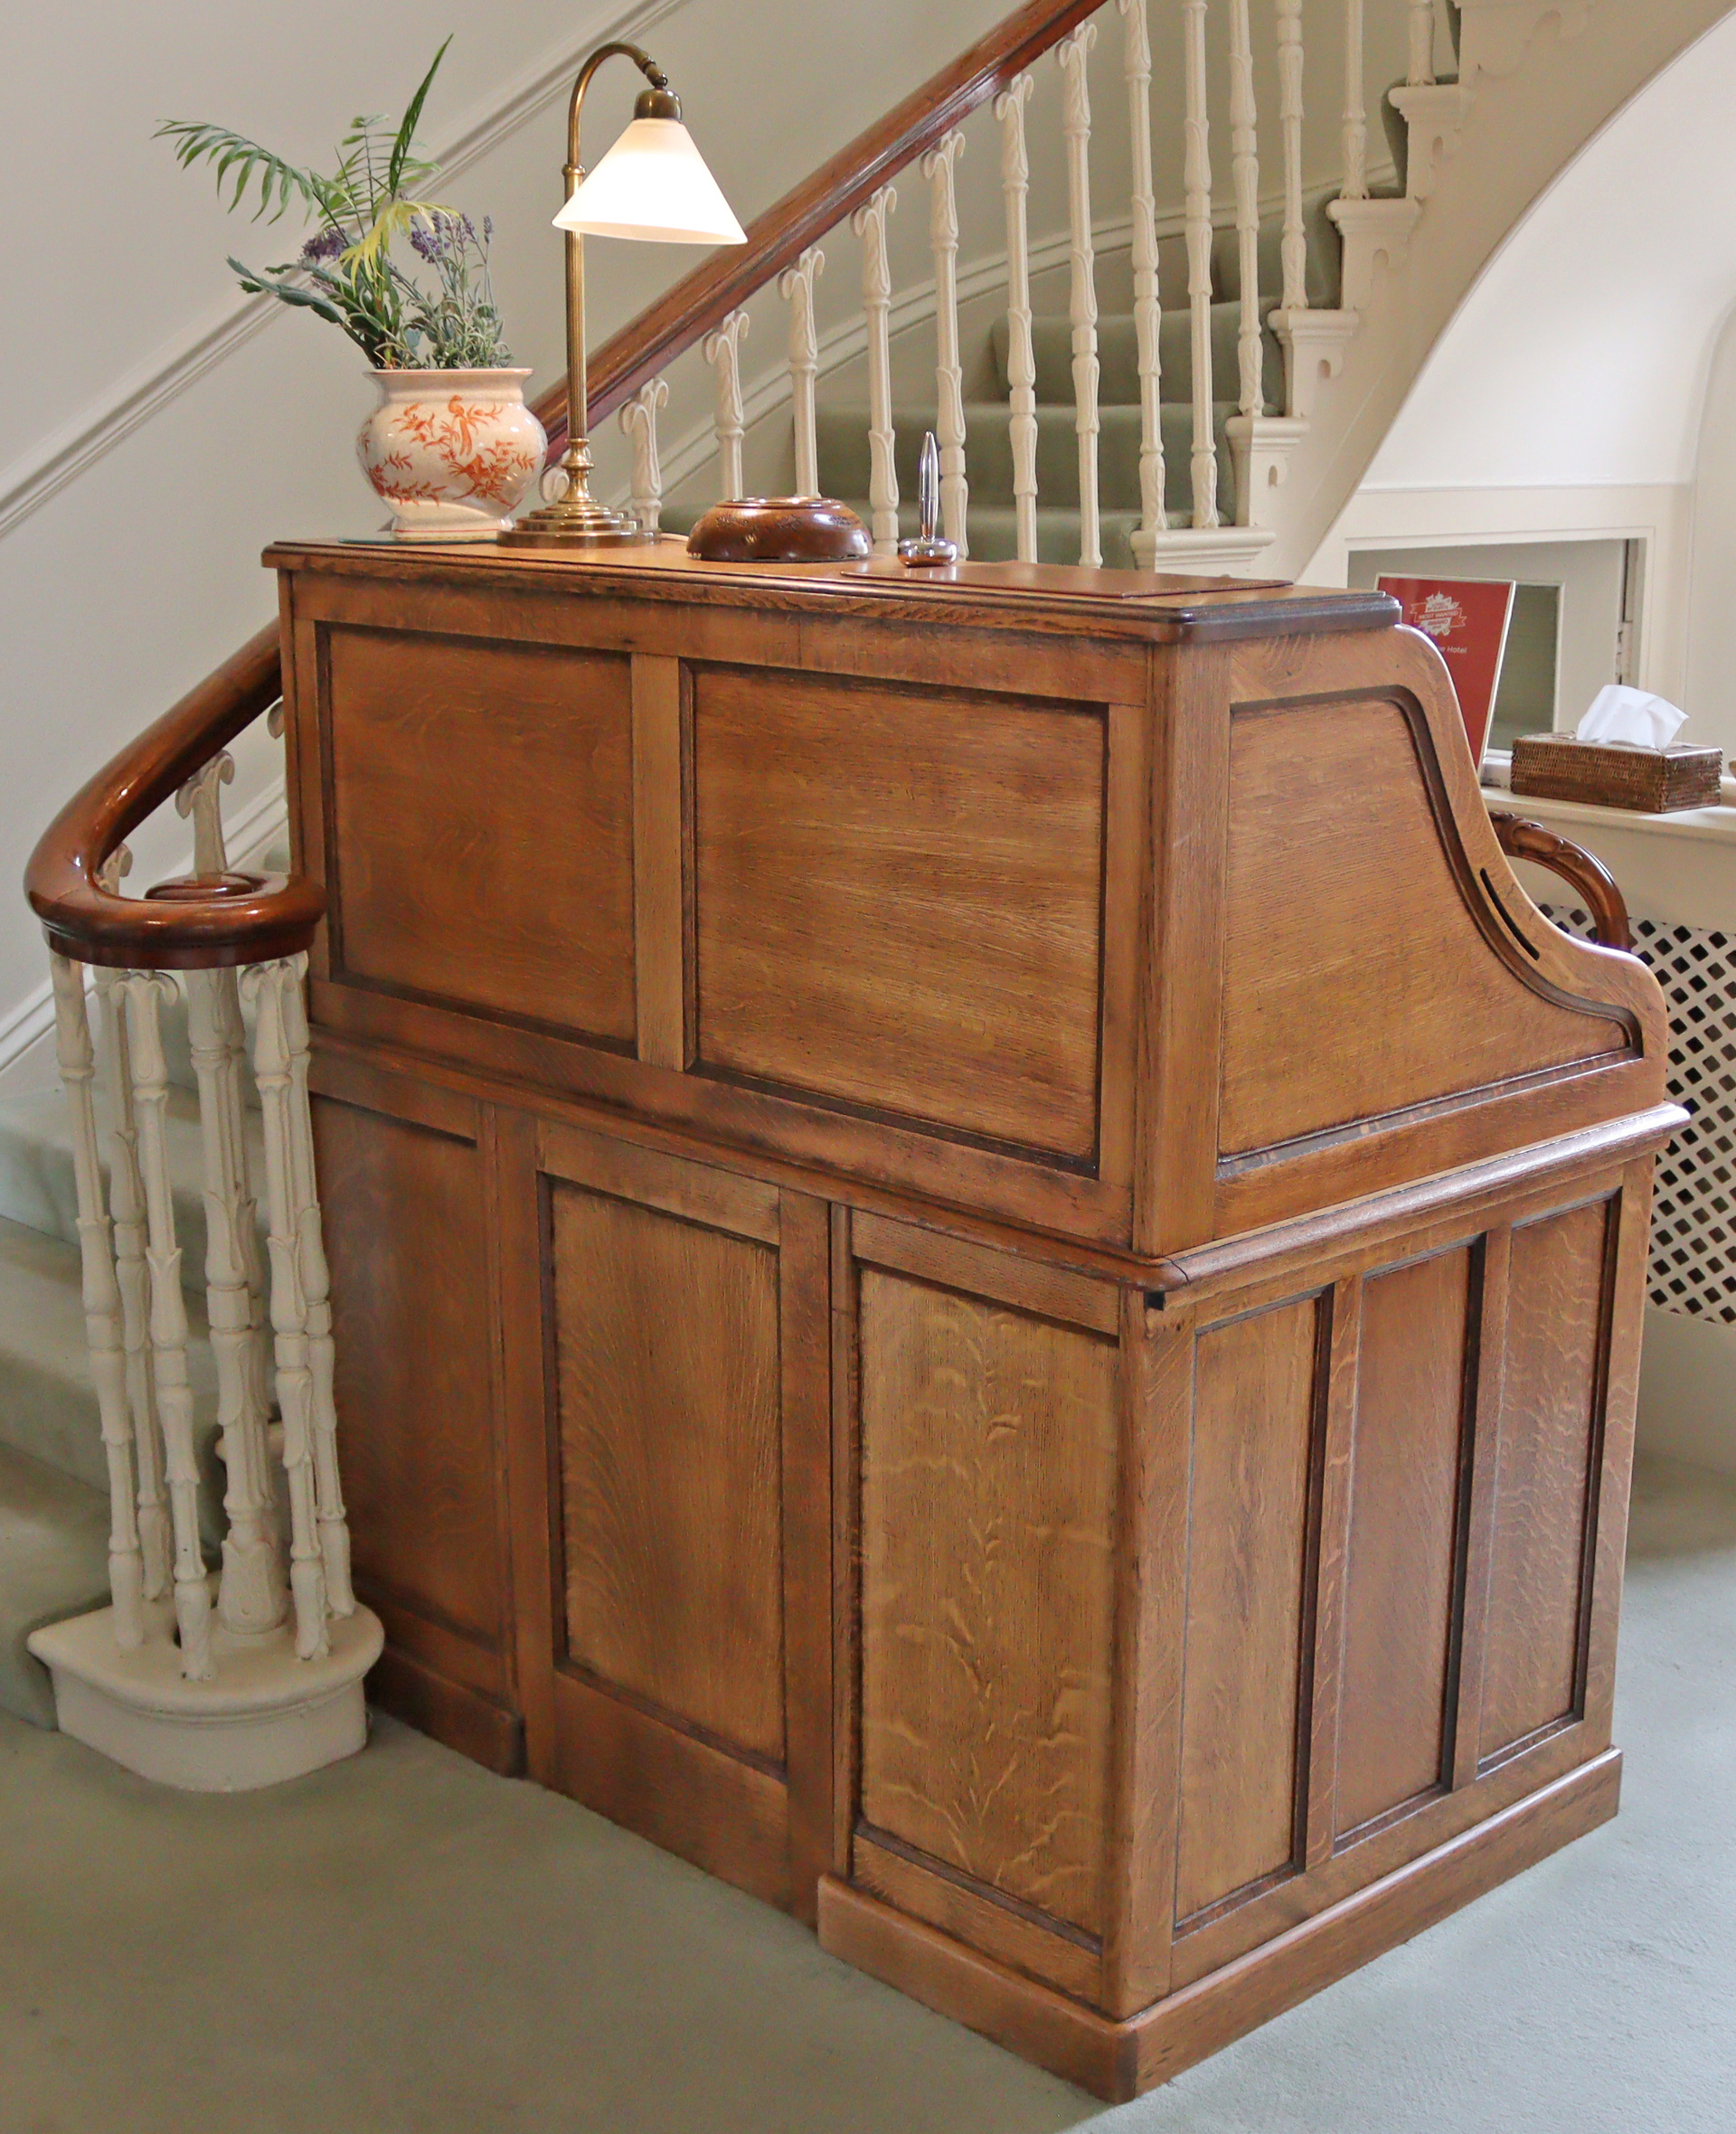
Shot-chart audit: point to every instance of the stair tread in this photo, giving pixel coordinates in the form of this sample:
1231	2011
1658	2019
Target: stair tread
53	1563
48	1402
38	1189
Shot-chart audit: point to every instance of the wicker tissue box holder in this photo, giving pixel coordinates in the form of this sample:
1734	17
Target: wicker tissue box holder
1617	773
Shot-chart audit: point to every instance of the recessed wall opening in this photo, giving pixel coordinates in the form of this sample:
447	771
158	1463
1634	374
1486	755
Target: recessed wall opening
1573	625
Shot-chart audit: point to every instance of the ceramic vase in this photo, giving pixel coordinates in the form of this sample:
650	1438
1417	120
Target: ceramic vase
451	452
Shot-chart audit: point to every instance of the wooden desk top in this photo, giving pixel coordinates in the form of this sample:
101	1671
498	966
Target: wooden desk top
1157	608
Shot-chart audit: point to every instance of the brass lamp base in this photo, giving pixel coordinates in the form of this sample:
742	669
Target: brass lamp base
575	522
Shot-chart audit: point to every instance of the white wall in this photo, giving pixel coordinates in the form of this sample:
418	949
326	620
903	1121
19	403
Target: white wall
1566	398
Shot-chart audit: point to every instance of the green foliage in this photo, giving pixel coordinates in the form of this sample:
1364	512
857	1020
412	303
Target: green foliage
374	198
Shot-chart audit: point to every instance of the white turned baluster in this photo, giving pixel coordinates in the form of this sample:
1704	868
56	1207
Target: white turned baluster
723	351
938	166
868	223
1295	254
1021	358
1148	311
1355	186
1073	53
103	1316
200	797
264	984
316	1298
796	286
1197	208
126	1212
1422	43
132	1274
1245	165
638	421
144	992
251	1597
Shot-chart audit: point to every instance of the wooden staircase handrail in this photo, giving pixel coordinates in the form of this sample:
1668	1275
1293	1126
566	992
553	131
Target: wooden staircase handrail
232	919
701	301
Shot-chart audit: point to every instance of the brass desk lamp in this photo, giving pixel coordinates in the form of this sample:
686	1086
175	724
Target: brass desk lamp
653	183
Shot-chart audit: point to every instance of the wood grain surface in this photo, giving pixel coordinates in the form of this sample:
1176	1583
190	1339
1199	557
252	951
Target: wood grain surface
667	1358
1356	981
988	1454
406	1238
1404	1524
899	900
482	825
1253	1430
1555	1314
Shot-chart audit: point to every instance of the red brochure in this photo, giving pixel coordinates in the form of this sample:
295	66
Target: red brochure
1466	619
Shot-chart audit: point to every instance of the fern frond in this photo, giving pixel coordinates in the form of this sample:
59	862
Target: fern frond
401	147
195	142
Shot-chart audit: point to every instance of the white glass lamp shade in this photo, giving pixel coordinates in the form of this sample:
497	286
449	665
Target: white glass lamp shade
653	183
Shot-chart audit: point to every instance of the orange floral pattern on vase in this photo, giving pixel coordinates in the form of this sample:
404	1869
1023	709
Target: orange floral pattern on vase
452	453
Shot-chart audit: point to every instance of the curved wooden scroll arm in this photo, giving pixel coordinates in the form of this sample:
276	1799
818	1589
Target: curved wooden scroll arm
1581	870
199	924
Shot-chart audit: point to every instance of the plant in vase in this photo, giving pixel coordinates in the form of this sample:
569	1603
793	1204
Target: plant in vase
451	447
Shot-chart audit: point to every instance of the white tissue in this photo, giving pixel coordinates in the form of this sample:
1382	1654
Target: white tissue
1631	715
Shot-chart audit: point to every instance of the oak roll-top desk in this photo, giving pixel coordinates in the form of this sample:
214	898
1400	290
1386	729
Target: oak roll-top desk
988	1268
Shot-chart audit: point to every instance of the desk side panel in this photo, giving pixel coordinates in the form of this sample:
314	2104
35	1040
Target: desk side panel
1377	1000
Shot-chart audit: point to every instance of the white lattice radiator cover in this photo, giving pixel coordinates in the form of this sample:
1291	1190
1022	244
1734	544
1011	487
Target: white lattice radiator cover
1694	1226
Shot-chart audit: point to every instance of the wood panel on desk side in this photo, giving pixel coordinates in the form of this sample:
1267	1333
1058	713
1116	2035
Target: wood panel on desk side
1402	1575
1356	982
988	1475
480	831
1403	667
1255	1405
667	1344
899	901
1548	1456
1385	1141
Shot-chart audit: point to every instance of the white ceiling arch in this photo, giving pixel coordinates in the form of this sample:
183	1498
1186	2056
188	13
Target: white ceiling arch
1581	355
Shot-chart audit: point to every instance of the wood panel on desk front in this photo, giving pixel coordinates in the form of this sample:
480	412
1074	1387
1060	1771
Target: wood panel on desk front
899	899
673	1469
407	1230
479	842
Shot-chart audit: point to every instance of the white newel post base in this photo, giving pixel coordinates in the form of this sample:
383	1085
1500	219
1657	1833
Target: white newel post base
1214	551
266	1717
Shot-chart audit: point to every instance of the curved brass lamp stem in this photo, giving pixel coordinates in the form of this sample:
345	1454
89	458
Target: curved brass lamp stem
575	518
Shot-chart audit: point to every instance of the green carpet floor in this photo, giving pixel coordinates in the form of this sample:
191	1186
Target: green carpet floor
404	1945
